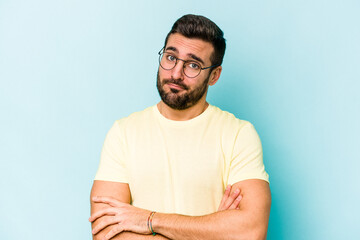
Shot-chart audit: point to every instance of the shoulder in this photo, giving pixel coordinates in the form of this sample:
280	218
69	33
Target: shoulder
233	130
132	123
228	120
135	118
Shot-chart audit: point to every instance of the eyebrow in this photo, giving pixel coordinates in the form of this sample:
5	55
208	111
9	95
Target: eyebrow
193	56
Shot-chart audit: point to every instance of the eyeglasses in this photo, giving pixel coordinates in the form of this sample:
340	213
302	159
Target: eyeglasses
191	68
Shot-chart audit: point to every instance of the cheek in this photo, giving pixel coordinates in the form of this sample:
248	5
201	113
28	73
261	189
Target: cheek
164	73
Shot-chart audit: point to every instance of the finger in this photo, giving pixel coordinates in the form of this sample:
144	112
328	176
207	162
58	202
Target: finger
106	211
113	232
224	198
108	200
231	198
235	204
104	223
227	190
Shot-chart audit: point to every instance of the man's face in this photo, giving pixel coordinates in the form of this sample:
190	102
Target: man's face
176	89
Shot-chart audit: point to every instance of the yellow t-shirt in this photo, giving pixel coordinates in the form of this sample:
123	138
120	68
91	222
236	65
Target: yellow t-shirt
181	166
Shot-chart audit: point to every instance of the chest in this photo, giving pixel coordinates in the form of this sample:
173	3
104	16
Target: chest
177	159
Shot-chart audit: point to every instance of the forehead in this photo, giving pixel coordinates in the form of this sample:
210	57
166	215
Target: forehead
190	46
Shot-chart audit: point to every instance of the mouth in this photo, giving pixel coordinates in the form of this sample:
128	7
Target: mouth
175	86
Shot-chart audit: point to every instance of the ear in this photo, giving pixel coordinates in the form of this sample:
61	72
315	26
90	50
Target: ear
215	75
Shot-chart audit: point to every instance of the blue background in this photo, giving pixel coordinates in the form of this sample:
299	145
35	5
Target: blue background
69	69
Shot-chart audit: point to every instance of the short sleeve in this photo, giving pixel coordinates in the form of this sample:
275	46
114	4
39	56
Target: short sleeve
112	165
247	156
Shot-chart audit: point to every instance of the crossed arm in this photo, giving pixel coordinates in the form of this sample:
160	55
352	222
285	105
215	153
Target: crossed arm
113	217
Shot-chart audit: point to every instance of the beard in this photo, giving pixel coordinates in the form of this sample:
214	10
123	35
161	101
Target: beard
182	101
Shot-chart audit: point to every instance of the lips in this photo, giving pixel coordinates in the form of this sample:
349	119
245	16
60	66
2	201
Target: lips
178	85
175	86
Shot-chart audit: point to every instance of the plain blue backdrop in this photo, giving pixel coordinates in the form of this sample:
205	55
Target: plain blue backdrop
69	69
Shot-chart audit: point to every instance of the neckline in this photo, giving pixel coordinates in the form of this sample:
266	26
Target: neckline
176	123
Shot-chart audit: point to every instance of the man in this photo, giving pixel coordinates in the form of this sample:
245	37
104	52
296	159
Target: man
163	171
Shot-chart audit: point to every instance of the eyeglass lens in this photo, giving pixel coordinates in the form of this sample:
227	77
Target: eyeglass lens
168	62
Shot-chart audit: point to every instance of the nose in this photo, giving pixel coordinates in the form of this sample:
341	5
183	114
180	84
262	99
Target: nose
178	71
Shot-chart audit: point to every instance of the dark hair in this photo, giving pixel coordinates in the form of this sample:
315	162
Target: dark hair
196	26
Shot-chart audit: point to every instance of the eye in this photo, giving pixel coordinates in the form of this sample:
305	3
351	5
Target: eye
194	65
170	58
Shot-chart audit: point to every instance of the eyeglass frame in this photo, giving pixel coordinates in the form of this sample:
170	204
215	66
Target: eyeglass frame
161	52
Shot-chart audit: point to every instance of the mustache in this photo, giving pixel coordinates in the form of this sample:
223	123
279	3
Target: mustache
174	81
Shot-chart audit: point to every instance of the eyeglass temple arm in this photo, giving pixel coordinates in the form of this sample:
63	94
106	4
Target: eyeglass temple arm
216	65
161	50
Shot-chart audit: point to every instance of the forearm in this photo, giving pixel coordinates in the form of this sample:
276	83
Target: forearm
130	236
230	224
249	220
124	235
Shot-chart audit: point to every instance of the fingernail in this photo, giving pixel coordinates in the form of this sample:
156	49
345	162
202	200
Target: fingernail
239	198
237	190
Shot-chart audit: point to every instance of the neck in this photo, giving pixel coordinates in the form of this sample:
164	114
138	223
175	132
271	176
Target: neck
182	115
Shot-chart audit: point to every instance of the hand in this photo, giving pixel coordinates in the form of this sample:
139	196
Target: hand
125	216
232	201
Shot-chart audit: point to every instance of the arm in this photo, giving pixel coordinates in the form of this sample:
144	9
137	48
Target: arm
121	192
249	222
